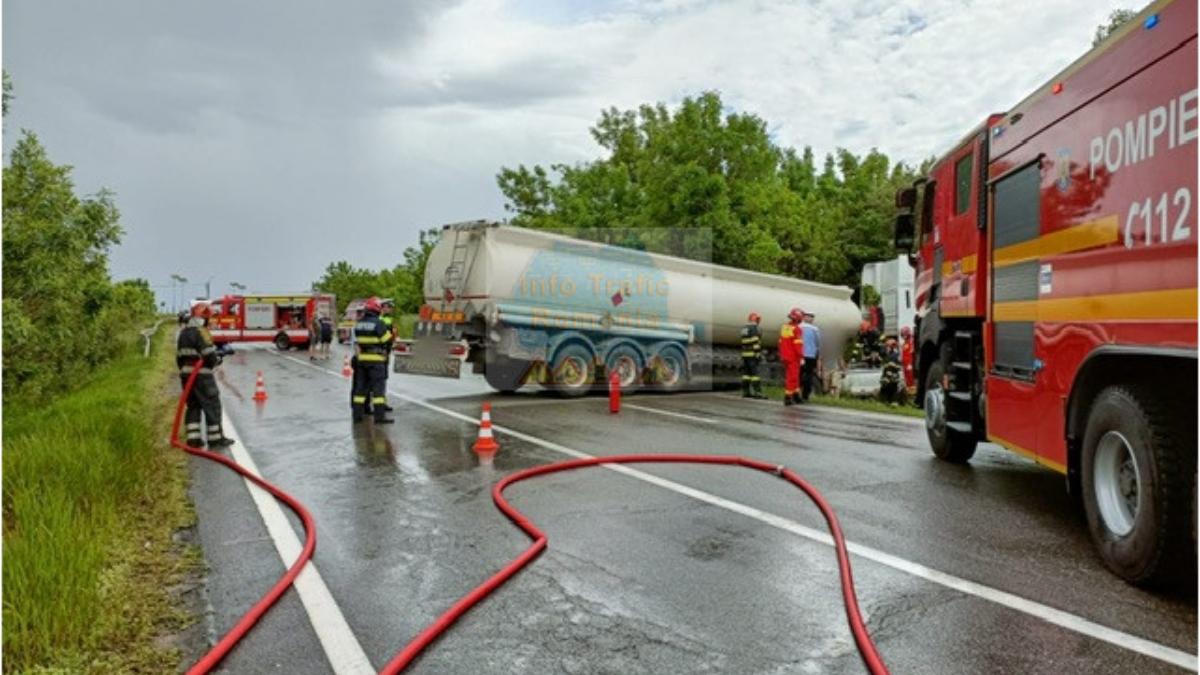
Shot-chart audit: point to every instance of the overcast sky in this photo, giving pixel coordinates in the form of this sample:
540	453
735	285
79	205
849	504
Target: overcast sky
258	141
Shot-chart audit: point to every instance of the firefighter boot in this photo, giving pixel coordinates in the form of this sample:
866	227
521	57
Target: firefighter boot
746	388
787	399
756	389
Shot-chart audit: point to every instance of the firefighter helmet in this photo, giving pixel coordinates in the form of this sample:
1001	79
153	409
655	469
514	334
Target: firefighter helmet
386	302
905	332
373	305
201	310
796	314
754	317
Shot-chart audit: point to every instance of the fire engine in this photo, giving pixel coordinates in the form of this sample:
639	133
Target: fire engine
1055	256
281	319
349	318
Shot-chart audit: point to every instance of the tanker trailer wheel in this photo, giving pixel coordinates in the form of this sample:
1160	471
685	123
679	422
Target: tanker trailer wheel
668	369
1138	464
627	363
573	372
282	343
947	444
505	375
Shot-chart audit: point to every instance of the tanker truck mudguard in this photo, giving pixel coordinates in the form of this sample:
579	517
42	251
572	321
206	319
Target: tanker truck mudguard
1055	256
531	307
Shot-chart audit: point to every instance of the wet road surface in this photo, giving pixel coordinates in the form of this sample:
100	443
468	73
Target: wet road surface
641	577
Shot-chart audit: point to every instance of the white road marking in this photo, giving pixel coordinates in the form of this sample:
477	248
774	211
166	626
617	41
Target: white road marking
341	647
671	413
848	412
1046	613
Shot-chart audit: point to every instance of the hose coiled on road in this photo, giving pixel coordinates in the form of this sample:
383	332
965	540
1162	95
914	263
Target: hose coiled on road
862	639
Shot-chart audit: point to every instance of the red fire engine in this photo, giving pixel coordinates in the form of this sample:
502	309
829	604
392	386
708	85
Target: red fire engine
282	319
1056	289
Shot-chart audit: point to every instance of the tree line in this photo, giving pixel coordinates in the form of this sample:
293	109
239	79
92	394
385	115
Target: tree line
63	313
403	283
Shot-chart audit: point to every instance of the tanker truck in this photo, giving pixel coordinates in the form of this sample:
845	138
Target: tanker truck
524	306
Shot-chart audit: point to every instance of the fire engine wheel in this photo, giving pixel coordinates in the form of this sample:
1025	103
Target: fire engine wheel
948	445
1138	468
282	343
573	372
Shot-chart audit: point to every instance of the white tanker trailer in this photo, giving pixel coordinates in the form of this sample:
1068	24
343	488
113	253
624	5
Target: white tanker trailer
527	306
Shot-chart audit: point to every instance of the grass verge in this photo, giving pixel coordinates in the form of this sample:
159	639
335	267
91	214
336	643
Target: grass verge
865	404
92	499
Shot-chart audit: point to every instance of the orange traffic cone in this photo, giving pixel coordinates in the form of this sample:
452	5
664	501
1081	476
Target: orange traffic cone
486	443
346	370
260	389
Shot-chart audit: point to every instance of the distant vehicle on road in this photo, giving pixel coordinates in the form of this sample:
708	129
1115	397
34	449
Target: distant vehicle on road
346	326
524	306
282	319
1056	289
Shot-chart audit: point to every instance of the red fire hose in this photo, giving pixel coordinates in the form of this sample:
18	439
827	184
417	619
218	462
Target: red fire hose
862	639
243	626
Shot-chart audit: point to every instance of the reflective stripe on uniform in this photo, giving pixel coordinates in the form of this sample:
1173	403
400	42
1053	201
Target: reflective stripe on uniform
208	350
359	399
187	351
368	358
377	400
188	370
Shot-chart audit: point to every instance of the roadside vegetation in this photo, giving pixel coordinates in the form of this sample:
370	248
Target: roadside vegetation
91	494
92	499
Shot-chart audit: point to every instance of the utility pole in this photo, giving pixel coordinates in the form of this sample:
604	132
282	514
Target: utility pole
176	279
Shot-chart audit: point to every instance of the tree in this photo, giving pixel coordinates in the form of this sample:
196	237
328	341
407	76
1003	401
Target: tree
1116	19
701	169
62	313
404	283
7	92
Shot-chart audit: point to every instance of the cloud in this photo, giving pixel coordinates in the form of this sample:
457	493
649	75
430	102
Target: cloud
256	142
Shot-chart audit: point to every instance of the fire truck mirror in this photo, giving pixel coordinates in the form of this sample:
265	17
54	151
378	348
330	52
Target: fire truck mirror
906	198
904	232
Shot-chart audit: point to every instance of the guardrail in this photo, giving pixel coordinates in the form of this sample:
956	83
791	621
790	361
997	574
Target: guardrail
147	334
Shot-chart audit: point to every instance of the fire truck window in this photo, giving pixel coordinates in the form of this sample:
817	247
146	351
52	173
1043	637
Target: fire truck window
962	185
927	210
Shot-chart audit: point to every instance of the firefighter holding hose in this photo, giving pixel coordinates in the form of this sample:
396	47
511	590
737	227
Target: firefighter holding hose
791	354
195	343
373	340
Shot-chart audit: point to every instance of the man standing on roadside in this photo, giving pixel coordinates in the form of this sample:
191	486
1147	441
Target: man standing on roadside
196	344
812	356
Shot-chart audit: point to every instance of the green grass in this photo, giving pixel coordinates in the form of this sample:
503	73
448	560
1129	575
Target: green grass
866	404
92	496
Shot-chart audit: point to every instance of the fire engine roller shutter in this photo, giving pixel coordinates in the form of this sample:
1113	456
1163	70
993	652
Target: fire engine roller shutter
1016	201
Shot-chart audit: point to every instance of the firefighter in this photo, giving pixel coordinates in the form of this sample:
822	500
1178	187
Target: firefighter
373	339
906	356
752	357
386	317
891	379
195	343
791	353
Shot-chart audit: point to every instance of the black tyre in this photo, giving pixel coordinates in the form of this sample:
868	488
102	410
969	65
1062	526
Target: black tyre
947	444
1139	463
505	375
627	363
574	370
282	343
669	369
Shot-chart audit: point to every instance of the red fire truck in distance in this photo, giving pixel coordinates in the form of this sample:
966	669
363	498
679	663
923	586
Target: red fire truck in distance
281	319
1055	252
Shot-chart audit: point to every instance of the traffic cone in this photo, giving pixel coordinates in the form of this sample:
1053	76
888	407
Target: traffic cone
486	442
346	370
260	389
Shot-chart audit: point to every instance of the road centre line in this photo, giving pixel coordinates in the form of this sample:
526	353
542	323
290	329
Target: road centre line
670	413
344	653
1046	613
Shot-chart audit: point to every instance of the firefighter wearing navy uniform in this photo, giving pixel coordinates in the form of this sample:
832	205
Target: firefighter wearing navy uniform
752	357
195	343
373	340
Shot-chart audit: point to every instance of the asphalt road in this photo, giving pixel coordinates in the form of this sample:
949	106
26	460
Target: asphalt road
982	568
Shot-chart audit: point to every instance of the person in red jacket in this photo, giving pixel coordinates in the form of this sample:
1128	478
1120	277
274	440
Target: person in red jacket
791	354
906	356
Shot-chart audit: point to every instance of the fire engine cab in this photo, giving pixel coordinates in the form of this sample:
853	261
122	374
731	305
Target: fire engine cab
1055	256
281	319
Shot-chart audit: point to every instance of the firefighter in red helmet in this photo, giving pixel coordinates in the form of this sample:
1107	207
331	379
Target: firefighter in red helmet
373	340
791	354
196	344
752	357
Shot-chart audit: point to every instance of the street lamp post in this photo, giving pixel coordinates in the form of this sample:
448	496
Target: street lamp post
176	279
